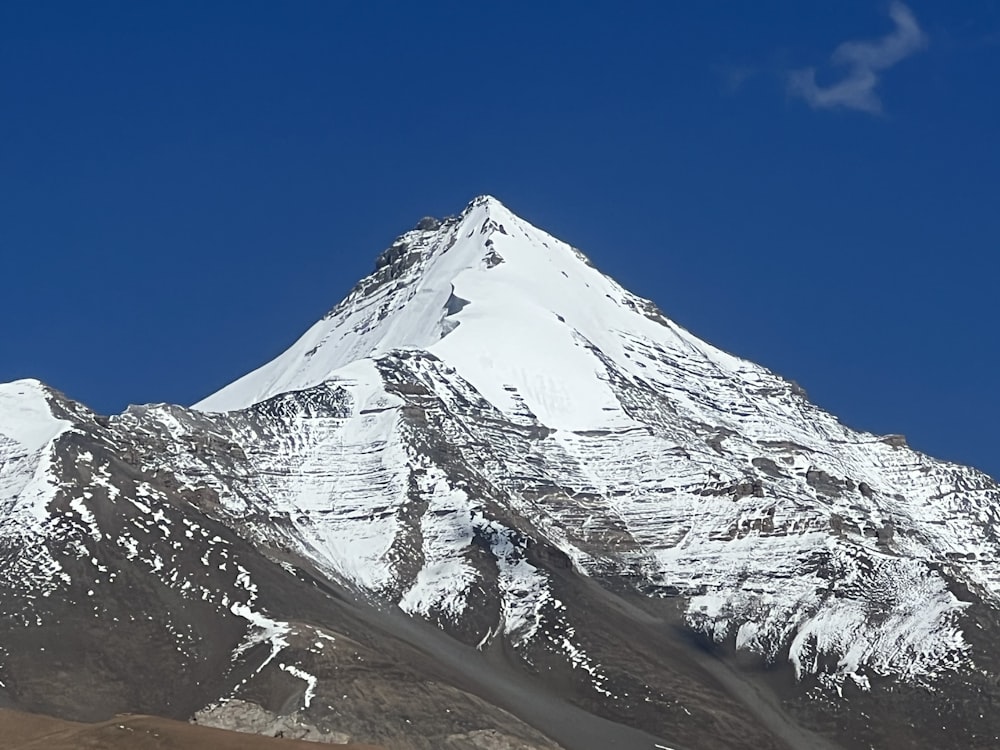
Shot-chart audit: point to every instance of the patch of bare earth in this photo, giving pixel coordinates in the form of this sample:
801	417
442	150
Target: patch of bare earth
21	731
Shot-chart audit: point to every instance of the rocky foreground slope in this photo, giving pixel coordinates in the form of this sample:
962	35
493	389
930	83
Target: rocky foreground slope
493	500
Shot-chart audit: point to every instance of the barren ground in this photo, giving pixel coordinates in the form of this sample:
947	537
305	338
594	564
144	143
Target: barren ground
21	731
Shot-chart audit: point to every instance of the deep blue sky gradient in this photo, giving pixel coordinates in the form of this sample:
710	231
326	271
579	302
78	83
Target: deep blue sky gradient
185	187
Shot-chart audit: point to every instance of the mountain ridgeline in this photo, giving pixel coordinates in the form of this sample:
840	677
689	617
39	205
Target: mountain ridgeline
492	500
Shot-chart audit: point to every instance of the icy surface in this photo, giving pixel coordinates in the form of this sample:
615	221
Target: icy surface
447	530
26	417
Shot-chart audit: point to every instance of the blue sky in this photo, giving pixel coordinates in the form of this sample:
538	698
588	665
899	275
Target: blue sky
185	187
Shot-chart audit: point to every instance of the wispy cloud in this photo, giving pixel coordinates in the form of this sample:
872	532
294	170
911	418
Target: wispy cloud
865	61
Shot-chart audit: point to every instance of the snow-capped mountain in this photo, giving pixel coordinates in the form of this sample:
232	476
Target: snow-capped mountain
493	497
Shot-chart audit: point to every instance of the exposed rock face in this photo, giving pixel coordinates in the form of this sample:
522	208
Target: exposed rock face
493	500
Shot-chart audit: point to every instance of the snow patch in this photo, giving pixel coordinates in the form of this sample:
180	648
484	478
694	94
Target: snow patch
310	681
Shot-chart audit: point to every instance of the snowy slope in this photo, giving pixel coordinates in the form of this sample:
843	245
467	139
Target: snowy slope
507	305
26	419
28	430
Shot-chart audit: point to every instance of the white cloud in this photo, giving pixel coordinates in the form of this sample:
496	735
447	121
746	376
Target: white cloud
864	62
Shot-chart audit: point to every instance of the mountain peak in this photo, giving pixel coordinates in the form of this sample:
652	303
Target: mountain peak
487	201
411	299
523	316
